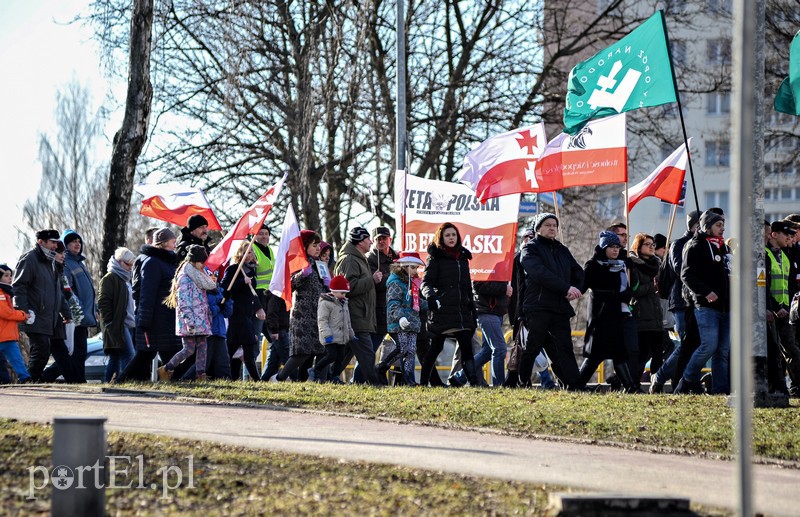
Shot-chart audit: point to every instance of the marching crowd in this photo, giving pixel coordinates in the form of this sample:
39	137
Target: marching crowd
345	305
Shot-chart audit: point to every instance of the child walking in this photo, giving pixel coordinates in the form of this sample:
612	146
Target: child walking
192	312
9	319
403	303
335	329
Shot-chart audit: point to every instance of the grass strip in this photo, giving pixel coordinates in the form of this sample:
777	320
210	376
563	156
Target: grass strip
675	423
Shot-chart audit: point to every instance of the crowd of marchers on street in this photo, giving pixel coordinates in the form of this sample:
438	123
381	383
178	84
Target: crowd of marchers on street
386	309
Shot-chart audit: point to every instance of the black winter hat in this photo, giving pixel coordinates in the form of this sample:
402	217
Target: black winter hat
692	218
195	222
541	218
358	234
4	268
708	219
47	235
660	241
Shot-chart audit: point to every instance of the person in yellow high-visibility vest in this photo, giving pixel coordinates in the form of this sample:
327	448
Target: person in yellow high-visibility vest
778	268
264	269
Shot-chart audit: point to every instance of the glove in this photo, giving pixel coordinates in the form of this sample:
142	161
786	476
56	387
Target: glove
404	323
329	340
306	271
31	318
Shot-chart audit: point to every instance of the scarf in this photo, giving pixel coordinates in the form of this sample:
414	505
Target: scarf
115	267
200	279
719	242
49	254
413	288
6	288
614	265
453	252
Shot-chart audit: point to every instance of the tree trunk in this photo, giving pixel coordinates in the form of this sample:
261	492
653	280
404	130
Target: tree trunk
129	140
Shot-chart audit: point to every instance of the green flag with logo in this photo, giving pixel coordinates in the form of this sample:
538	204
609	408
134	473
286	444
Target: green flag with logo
786	101
633	73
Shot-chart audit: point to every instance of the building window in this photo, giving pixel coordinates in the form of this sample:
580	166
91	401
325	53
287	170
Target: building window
718	6
677	50
666	210
718	154
718	52
718	103
717	199
768	193
786	194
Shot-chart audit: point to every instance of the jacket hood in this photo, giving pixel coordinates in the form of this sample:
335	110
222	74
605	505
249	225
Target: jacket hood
438	252
6	288
167	255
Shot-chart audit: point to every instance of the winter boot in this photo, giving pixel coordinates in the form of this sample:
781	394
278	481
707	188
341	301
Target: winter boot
685	387
382	368
626	379
163	374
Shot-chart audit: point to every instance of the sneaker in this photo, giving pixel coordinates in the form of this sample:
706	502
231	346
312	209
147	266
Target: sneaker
656	384
312	375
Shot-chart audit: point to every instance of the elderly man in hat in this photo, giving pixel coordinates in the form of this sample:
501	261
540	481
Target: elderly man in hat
37	291
675	302
195	232
706	274
779	290
352	264
380	258
553	278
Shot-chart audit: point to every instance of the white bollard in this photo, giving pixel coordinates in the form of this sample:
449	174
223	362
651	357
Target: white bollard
154	369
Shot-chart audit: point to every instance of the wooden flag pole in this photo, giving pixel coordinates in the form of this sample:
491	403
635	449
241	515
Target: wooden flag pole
558	216
671	223
627	218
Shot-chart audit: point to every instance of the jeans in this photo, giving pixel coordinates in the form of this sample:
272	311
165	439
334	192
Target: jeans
119	359
494	347
365	355
667	369
277	355
715	344
376	339
10	349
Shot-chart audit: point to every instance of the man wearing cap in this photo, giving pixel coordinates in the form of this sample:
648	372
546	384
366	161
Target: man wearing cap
352	264
37	291
706	275
676	303
195	232
552	280
779	272
265	261
380	258
82	285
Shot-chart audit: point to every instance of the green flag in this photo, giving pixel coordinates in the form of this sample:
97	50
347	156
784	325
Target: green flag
786	101
633	73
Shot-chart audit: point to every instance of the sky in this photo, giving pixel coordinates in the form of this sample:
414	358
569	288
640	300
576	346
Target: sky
39	53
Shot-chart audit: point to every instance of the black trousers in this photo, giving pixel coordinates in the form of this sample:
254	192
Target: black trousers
559	348
139	367
464	340
40	354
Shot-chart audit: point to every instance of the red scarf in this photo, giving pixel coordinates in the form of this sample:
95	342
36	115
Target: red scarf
453	252
719	242
415	283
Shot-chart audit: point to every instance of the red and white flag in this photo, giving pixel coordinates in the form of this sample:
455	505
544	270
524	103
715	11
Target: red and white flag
290	258
175	203
665	182
249	223
596	155
504	164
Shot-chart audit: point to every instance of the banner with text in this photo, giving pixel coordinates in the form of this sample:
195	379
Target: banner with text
488	230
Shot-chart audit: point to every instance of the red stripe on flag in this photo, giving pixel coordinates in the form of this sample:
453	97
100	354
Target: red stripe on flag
506	178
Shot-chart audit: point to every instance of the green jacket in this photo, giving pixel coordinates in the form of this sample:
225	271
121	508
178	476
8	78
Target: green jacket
353	265
112	303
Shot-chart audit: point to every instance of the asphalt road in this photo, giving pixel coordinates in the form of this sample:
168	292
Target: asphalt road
589	467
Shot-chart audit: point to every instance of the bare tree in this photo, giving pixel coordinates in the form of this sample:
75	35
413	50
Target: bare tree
72	187
129	140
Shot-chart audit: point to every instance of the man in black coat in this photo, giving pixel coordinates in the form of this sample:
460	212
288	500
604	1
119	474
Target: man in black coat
195	232
553	278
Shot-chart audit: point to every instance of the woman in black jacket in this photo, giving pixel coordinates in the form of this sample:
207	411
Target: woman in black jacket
607	278
647	305
451	310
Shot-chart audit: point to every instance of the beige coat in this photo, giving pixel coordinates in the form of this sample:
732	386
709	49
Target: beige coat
333	319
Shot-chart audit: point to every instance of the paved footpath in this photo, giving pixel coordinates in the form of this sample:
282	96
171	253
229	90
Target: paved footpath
589	467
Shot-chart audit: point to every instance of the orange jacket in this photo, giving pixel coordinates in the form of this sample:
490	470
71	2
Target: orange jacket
9	318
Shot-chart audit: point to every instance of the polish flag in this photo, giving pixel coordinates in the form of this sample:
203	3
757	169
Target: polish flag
290	258
596	155
249	223
665	182
504	164
175	203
